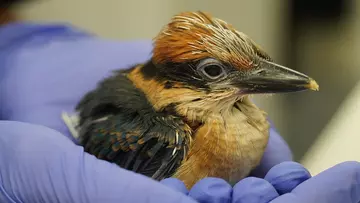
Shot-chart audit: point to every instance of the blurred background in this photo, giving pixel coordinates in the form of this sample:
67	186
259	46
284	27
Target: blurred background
319	38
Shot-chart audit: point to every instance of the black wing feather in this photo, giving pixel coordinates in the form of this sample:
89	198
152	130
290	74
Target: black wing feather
119	125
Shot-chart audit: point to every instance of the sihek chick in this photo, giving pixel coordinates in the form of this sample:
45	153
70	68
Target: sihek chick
187	113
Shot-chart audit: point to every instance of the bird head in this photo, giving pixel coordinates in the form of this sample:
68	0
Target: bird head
204	61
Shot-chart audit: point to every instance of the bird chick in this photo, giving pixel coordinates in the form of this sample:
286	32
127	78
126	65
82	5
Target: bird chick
186	113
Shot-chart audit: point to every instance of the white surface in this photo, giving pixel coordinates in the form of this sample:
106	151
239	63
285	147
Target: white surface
340	140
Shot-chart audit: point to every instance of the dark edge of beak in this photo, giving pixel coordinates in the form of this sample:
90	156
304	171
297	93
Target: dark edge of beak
269	77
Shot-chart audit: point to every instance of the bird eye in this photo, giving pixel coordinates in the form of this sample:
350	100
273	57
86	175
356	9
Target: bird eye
211	69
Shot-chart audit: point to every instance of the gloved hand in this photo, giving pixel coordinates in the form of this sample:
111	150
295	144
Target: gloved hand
339	184
45	73
38	164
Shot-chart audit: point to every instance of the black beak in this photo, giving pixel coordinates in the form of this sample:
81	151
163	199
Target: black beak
270	77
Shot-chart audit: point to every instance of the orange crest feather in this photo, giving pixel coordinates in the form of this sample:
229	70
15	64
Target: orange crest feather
191	36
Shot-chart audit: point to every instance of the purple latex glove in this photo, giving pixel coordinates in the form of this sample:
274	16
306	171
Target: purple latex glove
289	182
46	69
339	184
38	164
45	166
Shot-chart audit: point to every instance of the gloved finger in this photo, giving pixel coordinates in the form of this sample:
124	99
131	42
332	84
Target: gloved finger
253	190
277	151
339	184
286	176
175	184
38	164
211	190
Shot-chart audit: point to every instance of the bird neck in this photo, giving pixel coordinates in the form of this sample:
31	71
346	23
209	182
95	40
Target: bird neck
228	111
228	145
